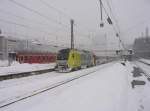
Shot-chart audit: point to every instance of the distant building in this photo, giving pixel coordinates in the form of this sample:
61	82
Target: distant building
141	46
9	45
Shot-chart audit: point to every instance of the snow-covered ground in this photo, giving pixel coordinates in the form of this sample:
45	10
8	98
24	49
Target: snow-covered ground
106	89
145	67
14	89
139	98
3	63
145	60
18	68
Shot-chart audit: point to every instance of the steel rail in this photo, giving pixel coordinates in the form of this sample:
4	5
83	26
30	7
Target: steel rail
144	72
50	87
24	74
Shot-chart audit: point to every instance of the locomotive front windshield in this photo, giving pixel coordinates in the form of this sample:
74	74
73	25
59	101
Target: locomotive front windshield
63	54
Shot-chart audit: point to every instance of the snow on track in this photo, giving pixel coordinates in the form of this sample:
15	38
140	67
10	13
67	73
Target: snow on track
38	86
104	90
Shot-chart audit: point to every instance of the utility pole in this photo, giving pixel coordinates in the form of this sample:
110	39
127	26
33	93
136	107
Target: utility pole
106	52
147	32
72	35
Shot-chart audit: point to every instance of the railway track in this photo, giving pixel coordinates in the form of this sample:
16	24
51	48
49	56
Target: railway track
24	74
144	72
144	62
16	99
30	73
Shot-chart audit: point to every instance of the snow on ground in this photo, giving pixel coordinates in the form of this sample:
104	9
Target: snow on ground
3	63
107	89
18	68
145	67
10	90
139	98
145	60
104	90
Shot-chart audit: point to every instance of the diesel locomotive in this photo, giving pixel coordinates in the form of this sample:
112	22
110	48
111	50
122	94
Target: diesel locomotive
73	59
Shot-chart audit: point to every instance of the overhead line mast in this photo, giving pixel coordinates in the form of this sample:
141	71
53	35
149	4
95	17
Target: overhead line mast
101	10
72	34
110	22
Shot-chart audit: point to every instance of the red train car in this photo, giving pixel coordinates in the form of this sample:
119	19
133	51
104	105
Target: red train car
36	58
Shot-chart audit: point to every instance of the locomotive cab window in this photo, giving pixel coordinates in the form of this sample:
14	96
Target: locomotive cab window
63	54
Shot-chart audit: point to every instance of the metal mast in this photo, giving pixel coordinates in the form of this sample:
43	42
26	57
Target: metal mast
72	34
101	10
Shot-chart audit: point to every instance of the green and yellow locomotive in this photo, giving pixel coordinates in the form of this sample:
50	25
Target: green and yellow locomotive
73	59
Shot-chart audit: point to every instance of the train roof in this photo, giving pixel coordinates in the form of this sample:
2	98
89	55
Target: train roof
66	50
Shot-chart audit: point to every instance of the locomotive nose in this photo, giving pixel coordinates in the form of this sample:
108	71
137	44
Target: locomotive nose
62	63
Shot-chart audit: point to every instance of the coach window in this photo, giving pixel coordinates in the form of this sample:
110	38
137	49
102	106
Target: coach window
46	58
21	58
25	58
30	58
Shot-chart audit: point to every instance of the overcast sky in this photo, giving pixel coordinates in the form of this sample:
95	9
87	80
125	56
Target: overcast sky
50	25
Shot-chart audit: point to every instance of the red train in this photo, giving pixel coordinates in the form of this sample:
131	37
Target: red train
35	58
